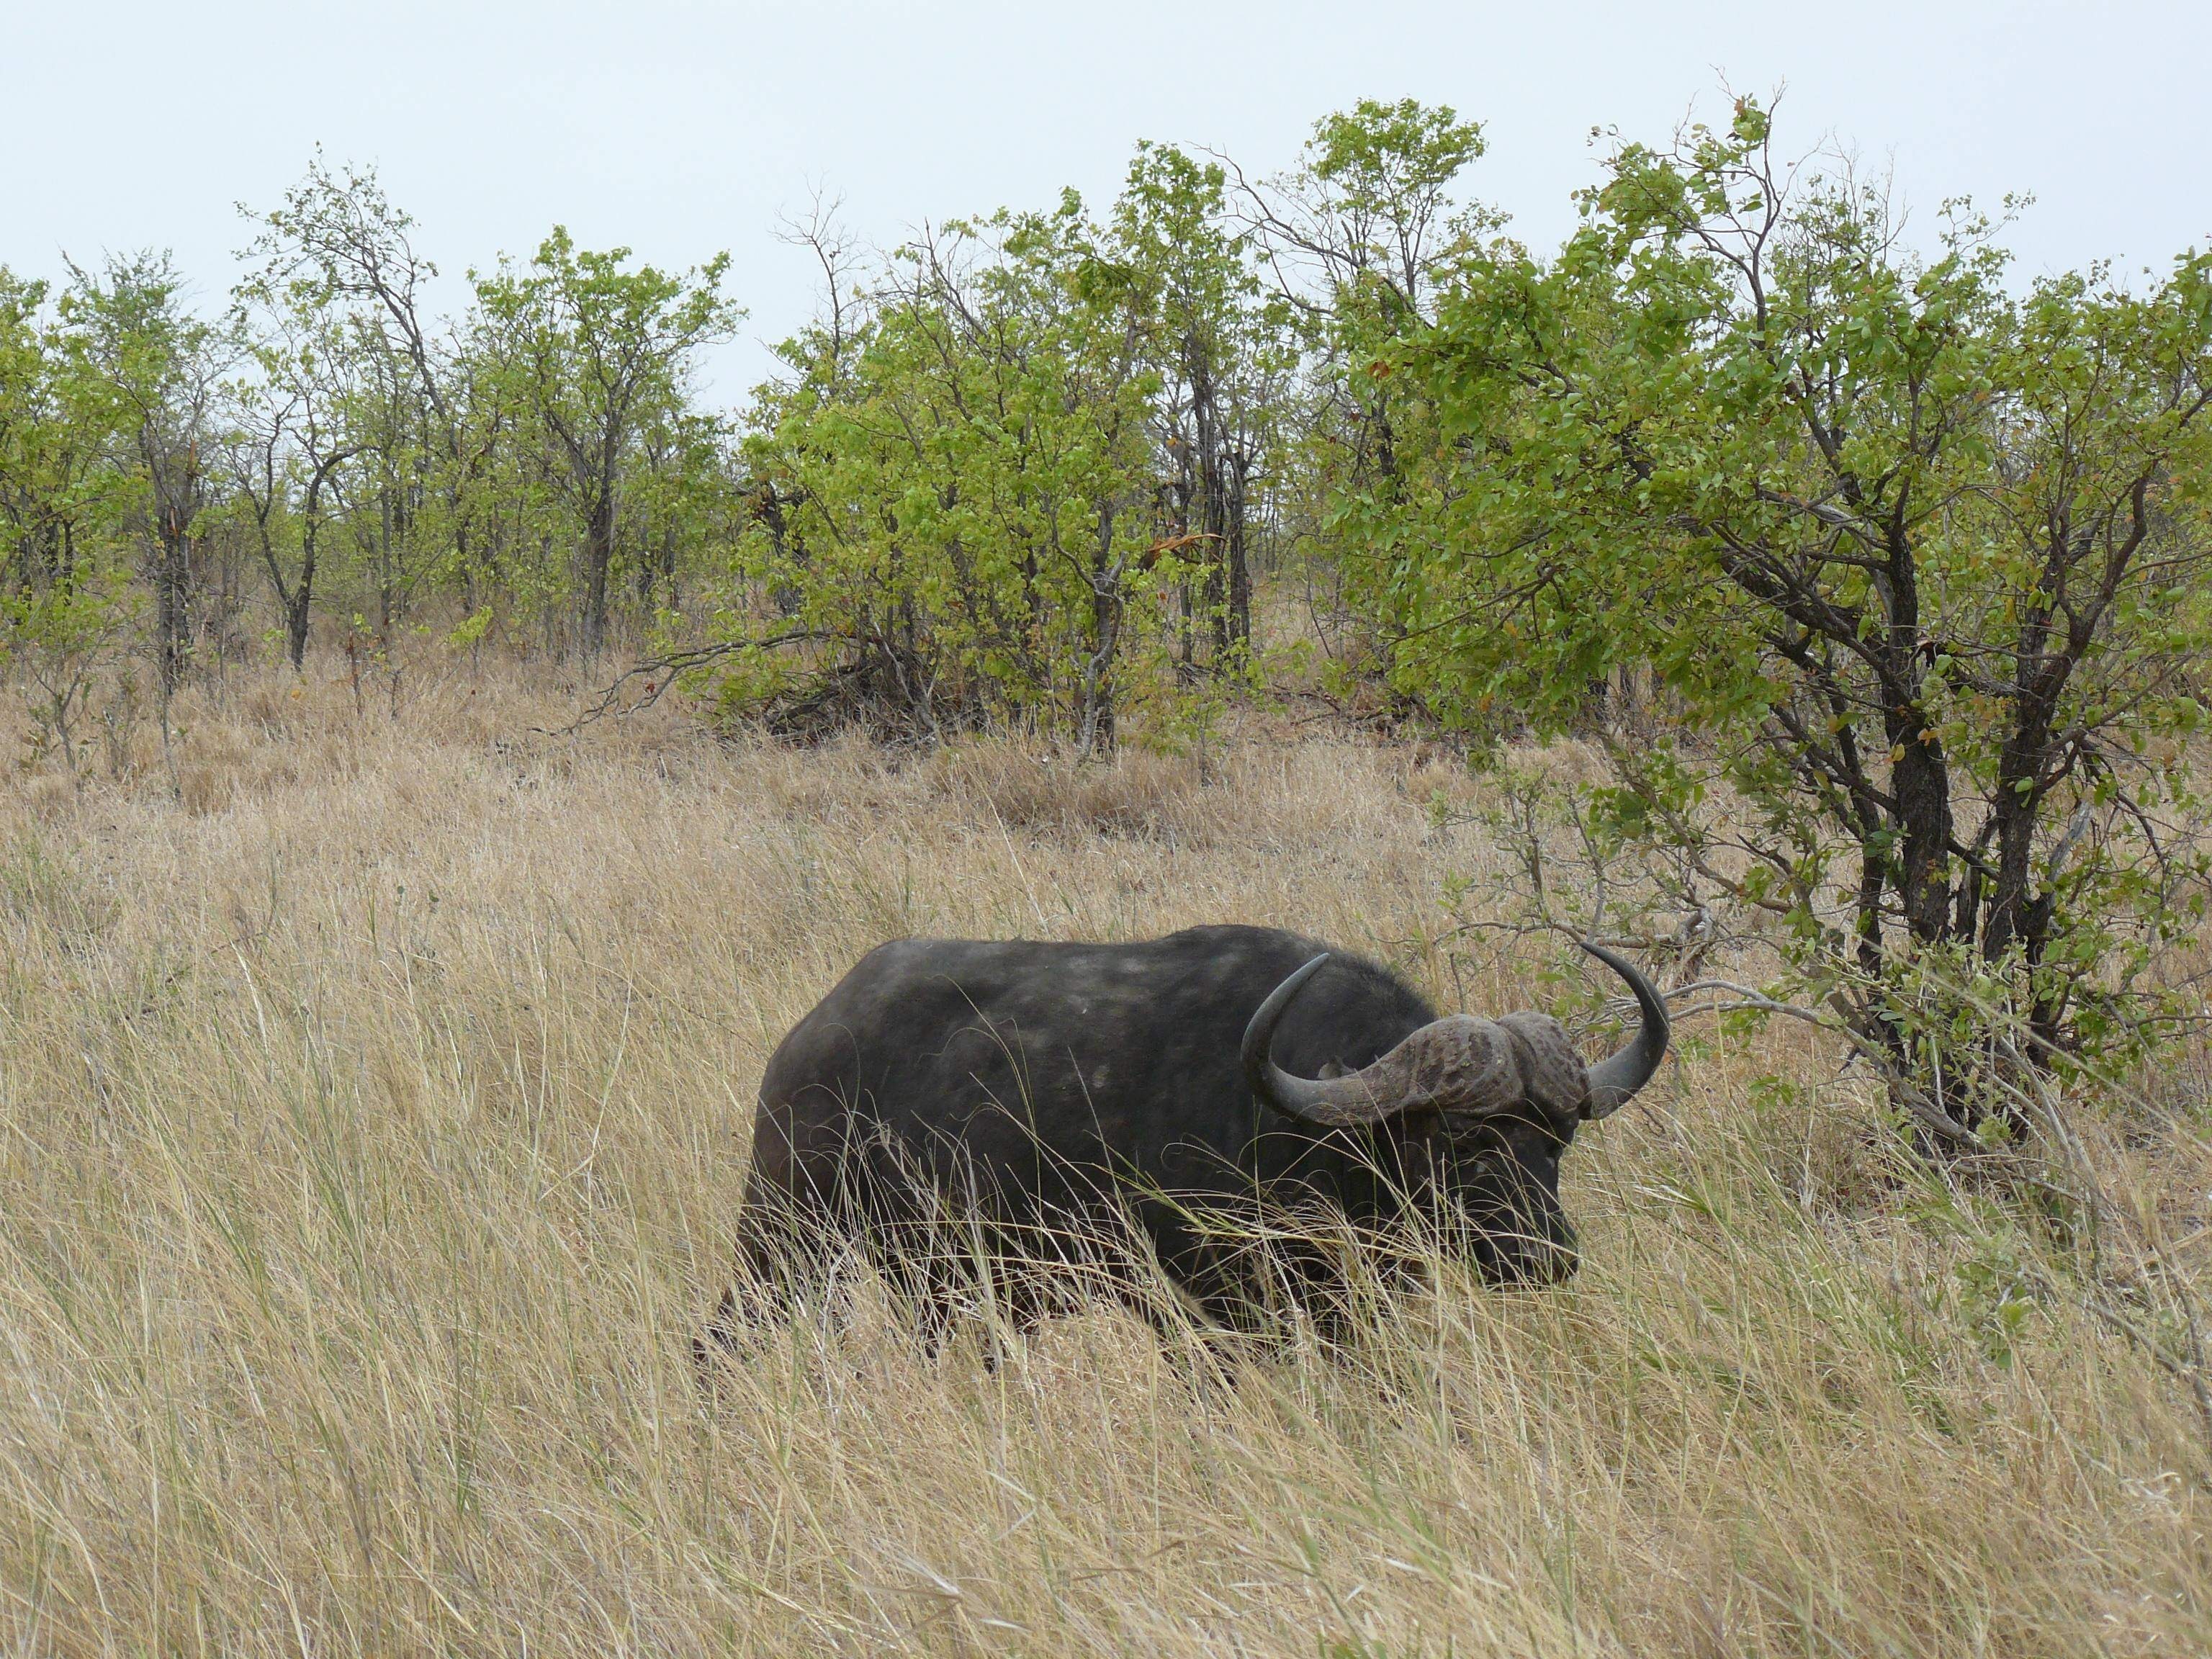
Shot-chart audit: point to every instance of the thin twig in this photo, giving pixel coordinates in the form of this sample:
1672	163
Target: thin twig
664	671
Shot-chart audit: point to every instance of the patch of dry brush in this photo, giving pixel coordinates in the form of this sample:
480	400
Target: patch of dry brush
373	1096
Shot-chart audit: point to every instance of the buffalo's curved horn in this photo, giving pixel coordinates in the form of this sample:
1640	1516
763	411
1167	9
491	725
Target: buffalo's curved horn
1613	1082
1455	1061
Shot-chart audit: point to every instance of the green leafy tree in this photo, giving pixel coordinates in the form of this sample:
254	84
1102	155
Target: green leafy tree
296	429
1919	561
684	496
1360	240
155	373
48	450
65	612
595	353
61	636
60	492
1223	367
954	485
338	259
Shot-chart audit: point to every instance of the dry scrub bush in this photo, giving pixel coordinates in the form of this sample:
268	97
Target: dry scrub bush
373	1134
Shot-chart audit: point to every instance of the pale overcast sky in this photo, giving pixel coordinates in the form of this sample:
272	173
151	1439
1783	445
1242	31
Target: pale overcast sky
679	127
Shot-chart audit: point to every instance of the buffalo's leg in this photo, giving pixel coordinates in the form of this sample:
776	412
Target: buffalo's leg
785	1262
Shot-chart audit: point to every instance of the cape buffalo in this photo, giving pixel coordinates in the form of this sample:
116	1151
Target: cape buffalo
955	1104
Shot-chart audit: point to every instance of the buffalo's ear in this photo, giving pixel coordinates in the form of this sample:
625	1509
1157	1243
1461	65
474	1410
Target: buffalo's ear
1332	1068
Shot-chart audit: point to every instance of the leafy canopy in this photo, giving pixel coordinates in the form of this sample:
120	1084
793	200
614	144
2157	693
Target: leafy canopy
1917	559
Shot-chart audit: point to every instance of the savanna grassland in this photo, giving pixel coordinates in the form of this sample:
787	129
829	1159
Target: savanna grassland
374	1091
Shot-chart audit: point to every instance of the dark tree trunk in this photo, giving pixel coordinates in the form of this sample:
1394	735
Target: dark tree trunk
1920	781
298	613
1180	495
598	557
1237	555
296	626
1214	514
1096	733
1920	775
172	597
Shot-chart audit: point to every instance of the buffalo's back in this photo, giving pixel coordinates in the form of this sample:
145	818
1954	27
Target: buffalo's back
1054	1070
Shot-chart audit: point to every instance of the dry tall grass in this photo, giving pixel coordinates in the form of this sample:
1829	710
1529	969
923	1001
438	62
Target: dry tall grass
373	1095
